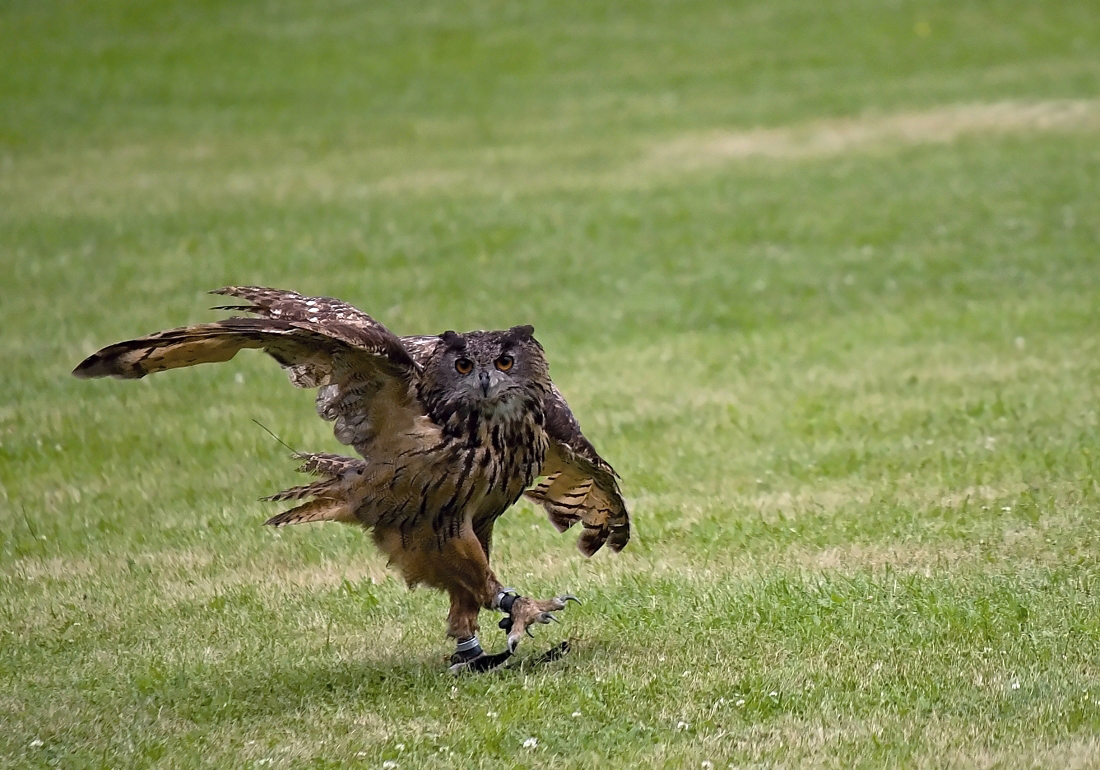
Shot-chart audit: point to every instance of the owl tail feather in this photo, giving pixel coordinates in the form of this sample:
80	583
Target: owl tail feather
332	495
322	509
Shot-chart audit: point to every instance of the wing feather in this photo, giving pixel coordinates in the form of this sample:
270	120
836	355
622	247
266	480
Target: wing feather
340	320
579	485
364	372
421	346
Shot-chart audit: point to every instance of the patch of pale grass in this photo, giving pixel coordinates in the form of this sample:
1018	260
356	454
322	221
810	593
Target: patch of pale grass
870	132
1069	755
862	557
97	182
774	505
65	568
332	575
782	744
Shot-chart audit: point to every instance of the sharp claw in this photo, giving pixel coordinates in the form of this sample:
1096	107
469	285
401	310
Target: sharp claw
546	617
569	598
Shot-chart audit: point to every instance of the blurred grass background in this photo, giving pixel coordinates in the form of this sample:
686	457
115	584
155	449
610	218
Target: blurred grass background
832	322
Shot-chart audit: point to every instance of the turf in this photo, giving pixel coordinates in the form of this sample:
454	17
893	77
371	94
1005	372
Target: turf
819	279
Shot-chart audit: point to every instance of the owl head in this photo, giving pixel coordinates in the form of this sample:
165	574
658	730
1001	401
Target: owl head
487	371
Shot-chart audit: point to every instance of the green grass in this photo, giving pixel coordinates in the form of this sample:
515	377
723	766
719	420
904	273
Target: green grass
851	388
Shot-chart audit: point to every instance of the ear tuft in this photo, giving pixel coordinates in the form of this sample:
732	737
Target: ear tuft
453	340
521	332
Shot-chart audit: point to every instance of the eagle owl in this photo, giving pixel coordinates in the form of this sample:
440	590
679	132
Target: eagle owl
452	430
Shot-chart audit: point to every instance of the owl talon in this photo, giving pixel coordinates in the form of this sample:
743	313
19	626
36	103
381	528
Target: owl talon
523	613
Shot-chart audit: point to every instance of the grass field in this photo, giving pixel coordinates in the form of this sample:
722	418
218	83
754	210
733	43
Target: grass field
820	279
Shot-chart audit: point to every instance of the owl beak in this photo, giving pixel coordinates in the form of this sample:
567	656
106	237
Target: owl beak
486	382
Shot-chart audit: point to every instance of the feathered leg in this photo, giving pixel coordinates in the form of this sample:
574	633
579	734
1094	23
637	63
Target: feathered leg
467	599
460	567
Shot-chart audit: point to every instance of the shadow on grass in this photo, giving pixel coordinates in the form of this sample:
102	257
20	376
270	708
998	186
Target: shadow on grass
225	693
327	685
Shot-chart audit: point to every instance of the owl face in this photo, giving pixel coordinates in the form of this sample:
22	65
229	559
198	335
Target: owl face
490	370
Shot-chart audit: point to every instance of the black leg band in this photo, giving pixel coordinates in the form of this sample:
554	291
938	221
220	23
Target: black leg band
505	599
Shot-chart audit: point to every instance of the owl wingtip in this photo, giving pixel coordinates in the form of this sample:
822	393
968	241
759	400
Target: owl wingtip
93	367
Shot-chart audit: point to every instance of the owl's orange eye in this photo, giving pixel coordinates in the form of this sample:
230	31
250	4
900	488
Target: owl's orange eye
504	363
464	366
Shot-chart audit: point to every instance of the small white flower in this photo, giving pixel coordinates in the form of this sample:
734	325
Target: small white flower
1007	508
576	713
531	743
361	755
389	764
708	765
740	702
680	726
36	743
1015	685
400	747
774	694
492	714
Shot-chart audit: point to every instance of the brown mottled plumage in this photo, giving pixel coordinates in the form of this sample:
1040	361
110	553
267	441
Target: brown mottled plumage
452	429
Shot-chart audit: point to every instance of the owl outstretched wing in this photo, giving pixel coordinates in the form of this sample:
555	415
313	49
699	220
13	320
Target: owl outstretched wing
579	485
363	371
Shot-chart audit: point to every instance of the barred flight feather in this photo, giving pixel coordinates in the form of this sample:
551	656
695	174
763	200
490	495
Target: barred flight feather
315	510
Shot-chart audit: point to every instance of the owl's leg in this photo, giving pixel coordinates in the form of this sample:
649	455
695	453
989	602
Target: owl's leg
463	571
462	618
462	626
466	576
522	612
